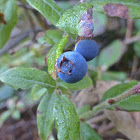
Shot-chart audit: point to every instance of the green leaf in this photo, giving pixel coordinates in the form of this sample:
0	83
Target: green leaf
48	8
25	78
137	24
4	116
131	103
38	91
112	75
84	83
51	62
65	4
118	89
70	20
87	133
16	115
51	37
94	76
64	90
100	23
83	109
111	54
54	53
6	92
67	121
93	64
137	49
55	35
117	8
9	8
45	115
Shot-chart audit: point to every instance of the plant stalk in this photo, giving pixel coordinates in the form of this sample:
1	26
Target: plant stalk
109	104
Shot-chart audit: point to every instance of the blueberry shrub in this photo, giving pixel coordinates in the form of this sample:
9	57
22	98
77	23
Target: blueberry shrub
78	61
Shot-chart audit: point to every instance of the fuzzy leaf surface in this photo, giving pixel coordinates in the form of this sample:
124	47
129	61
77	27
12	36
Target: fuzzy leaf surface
25	78
67	121
51	37
111	54
38	91
45	115
87	133
54	53
84	83
70	20
131	103
48	8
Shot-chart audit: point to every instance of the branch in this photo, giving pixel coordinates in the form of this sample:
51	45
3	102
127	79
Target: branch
132	40
129	28
110	102
24	5
14	42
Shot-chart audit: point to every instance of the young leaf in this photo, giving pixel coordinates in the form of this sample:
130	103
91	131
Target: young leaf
71	21
51	62
51	37
131	102
45	115
55	35
87	133
67	121
16	114
48	8
25	78
38	91
54	53
4	116
84	83
117	8
9	9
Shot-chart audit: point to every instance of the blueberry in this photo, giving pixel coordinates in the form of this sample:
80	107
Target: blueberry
87	48
71	67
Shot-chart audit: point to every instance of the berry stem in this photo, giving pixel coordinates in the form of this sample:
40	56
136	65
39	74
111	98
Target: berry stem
108	104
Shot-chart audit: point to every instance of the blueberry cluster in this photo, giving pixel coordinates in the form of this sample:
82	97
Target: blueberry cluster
72	66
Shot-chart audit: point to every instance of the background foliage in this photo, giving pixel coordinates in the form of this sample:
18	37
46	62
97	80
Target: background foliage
33	34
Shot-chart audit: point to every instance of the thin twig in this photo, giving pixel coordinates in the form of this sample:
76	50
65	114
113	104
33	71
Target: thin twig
24	5
105	128
14	42
31	21
129	28
110	102
97	119
135	65
12	51
132	40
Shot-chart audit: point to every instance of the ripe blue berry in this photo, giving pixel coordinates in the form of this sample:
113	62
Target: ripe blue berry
71	67
87	48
